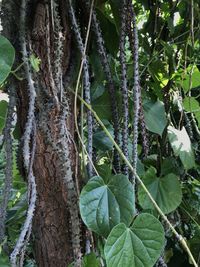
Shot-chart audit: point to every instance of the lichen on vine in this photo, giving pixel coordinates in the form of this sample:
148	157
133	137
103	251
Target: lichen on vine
28	137
134	44
111	87
124	86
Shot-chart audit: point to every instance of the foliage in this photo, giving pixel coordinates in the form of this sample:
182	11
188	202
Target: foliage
124	220
105	202
7	58
144	241
182	147
155	118
166	190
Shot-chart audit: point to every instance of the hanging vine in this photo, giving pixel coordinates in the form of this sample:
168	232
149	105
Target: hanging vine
86	82
72	200
58	48
28	153
144	133
124	87
133	38
111	87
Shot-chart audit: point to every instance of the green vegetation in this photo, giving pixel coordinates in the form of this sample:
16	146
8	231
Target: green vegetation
140	172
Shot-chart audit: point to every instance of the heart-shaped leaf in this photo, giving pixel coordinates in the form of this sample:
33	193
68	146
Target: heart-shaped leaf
7	56
166	191
137	246
182	147
106	202
155	117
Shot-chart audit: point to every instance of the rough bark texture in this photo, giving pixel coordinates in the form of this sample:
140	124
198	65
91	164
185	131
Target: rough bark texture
51	222
52	232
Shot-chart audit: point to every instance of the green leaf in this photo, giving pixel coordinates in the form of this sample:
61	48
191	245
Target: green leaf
182	147
158	71
7	56
101	141
91	260
139	245
116	8
102	106
166	191
35	62
97	90
155	117
4	260
169	165
110	37
104	170
191	80
191	104
3	113
106	202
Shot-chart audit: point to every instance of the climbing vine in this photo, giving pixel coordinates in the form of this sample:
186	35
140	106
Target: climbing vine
130	88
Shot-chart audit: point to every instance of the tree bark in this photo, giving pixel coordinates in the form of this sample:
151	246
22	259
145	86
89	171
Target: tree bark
56	237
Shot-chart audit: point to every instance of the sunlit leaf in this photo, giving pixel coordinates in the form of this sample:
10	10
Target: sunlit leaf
182	147
35	62
155	117
192	105
191	80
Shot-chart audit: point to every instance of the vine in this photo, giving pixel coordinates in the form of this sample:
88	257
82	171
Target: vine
72	198
28	154
144	133
53	81
124	87
86	82
133	38
22	241
58	44
111	87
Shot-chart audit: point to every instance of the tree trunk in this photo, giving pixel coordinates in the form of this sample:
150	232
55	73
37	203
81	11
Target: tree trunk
56	227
